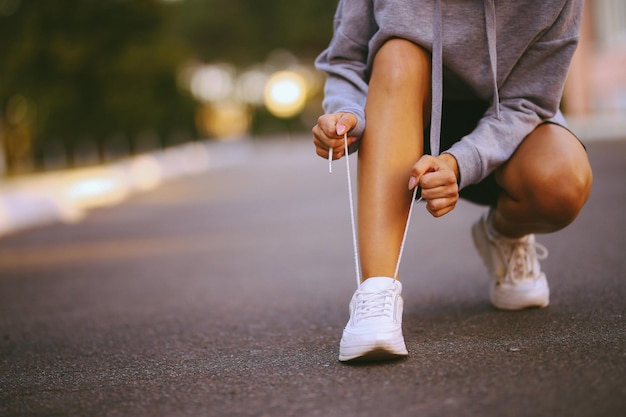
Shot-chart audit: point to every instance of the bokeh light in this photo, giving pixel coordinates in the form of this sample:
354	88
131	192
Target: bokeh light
213	83
285	94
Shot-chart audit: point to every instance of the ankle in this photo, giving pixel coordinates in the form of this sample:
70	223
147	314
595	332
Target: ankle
379	276
491	230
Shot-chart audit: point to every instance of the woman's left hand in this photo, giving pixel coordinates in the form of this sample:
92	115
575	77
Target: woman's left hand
437	176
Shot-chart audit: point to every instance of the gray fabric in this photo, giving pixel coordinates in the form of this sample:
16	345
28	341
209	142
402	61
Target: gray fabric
514	54
436	81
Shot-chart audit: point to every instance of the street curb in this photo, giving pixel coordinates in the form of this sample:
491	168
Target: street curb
67	196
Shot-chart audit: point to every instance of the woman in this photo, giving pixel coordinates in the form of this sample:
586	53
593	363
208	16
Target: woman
483	82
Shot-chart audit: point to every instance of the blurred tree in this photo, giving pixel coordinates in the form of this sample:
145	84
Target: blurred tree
85	71
246	31
91	69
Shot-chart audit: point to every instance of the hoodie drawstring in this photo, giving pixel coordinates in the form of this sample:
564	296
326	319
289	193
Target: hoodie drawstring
436	80
437	69
490	25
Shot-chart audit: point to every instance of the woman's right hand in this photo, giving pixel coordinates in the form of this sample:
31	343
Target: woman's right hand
328	133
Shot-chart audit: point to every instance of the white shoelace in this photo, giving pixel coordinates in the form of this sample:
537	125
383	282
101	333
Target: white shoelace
521	257
374	304
352	216
523	260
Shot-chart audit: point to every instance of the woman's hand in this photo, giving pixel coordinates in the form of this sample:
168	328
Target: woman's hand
437	176
328	133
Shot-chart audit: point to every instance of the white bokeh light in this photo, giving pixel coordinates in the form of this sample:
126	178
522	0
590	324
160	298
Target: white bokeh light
213	83
285	94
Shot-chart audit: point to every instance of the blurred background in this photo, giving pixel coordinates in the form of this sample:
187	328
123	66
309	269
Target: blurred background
87	82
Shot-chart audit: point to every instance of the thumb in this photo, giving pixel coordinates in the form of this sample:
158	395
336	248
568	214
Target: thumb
345	123
425	164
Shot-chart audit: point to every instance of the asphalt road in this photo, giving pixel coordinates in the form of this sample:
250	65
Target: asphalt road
225	294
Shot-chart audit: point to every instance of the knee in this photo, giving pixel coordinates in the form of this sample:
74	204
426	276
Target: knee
549	177
403	62
560	191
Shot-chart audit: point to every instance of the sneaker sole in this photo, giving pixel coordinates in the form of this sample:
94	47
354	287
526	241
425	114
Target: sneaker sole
537	298
377	354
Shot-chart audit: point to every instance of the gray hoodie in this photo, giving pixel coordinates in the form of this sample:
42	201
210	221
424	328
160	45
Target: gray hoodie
526	44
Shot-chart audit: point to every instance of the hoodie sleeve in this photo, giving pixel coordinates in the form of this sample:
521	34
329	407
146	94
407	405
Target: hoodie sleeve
345	61
530	95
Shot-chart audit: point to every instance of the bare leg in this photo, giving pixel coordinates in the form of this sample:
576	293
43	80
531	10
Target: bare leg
546	183
392	143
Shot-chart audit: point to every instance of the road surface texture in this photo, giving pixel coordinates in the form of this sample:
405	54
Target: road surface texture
225	294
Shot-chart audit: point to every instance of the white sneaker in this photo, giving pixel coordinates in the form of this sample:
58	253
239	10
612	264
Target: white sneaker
374	331
518	281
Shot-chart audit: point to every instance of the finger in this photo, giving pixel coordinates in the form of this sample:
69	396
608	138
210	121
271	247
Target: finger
337	145
425	164
323	150
326	143
346	122
429	194
329	138
441	206
438	179
327	125
438	185
430	172
320	140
